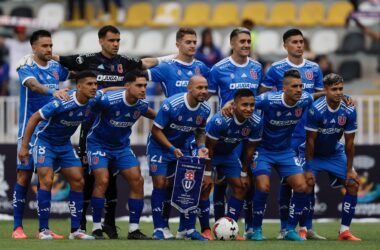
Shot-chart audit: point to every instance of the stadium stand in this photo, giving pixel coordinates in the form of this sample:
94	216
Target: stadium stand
196	14
170	44
138	15
51	13
311	14
324	41
167	14
352	43
149	43
256	12
88	42
225	14
350	70
22	11
262	45
65	42
282	14
374	48
338	13
127	42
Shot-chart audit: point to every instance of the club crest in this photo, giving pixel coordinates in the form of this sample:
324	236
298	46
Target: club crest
199	120
153	167
245	131
136	114
41	159
120	68
298	112
188	181
56	75
342	120
309	75
253	74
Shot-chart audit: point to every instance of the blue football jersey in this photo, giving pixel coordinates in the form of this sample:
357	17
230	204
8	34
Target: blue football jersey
62	118
31	102
226	77
175	75
330	125
229	132
179	121
112	127
279	118
311	75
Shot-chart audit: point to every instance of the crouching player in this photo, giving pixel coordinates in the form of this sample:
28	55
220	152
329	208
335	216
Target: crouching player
328	119
108	144
223	136
179	117
56	122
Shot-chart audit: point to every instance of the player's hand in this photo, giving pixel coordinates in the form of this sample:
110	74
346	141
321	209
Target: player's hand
203	152
310	178
207	183
23	155
245	183
25	60
178	153
348	100
351	177
227	109
62	94
166	58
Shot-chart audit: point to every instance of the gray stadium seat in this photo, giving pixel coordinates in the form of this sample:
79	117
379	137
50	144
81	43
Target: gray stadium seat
170	46
22	11
324	42
352	43
350	70
51	13
268	42
65	42
89	42
127	41
149	43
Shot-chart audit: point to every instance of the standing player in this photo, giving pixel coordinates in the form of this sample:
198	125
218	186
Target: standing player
174	76
39	82
223	136
52	151
281	112
238	71
179	117
312	81
328	119
108	144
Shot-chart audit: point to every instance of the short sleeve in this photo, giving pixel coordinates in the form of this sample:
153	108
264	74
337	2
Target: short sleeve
312	120
318	82
163	115
257	131
351	124
25	73
158	73
270	78
215	127
212	80
63	73
50	109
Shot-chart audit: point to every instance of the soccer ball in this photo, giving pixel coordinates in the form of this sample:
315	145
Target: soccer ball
225	229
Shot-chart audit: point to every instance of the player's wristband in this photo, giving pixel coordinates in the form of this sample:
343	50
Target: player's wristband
201	146
207	173
172	148
243	174
50	91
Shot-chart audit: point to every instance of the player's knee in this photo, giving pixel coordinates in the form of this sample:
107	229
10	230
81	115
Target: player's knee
101	182
263	187
352	188
301	187
23	177
46	182
77	185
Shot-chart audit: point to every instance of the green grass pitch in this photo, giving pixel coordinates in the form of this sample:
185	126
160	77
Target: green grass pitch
369	232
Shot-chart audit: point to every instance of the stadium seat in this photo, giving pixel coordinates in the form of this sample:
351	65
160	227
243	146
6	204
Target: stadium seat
167	14
149	43
338	13
89	15
65	42
352	43
374	48
138	15
1	11
324	41
311	14
51	13
224	15
89	42
282	14
256	12
170	44
97	20
268	42
216	38
196	14
226	46
127	42
350	70
23	11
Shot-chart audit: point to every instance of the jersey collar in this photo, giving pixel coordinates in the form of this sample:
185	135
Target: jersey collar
76	100
184	63
330	109
187	104
296	66
238	65
283	101
125	100
237	121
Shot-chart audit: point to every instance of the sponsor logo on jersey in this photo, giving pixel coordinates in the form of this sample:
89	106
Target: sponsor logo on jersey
181	83
153	167
197	71
109	78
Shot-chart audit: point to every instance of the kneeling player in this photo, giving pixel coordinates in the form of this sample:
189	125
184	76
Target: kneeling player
223	136
328	119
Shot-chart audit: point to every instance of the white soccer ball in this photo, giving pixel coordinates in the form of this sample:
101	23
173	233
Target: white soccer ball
225	229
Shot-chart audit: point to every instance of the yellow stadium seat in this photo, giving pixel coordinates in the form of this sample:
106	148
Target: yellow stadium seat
196	14
256	12
167	14
311	14
225	14
338	13
282	14
97	21
138	15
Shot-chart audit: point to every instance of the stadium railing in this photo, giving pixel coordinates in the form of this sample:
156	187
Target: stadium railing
368	118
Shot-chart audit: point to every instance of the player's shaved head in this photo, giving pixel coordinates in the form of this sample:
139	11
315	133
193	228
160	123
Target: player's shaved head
291	74
195	80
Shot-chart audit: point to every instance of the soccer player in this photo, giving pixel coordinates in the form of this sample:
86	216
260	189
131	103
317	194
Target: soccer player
174	76
223	136
238	71
281	112
39	82
179	117
53	151
312	81
108	144
327	120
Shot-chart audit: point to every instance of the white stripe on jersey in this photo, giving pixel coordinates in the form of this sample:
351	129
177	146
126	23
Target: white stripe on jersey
222	62
26	108
173	102
42	130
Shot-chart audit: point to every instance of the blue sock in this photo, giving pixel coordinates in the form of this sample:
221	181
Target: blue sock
97	208
234	208
348	208
248	215
157	200
19	195
259	204
284	199
43	199
135	207
188	221
305	213
204	215
76	208
167	206
309	219
219	201
297	205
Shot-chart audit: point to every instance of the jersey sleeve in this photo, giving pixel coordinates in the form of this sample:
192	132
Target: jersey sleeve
260	100
351	124
205	71
163	115
144	108
50	109
318	82
131	63
63	73
25	73
270	78
74	62
257	131
312	120
158	73
212	80
215	127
